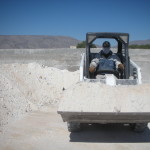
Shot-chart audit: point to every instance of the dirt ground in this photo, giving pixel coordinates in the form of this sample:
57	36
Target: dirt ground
44	129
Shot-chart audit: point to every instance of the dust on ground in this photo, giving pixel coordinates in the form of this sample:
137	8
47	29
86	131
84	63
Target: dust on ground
29	87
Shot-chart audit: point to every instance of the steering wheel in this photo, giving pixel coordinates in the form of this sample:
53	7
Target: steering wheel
115	72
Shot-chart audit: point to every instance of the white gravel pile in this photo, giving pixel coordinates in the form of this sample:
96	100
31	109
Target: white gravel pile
98	97
27	87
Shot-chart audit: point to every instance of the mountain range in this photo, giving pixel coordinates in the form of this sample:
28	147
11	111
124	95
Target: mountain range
36	41
44	41
140	42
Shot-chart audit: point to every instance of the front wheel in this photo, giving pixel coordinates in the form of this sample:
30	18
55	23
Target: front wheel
74	126
138	127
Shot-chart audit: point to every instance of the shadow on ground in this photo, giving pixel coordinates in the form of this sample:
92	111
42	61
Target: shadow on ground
109	133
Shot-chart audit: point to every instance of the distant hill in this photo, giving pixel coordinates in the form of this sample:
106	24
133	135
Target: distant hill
44	41
36	41
140	42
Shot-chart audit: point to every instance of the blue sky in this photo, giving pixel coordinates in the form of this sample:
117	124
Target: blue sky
75	17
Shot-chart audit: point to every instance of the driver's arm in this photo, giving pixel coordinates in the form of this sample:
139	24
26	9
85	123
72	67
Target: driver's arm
93	65
119	65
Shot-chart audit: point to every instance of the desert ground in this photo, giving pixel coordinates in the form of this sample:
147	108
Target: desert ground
32	82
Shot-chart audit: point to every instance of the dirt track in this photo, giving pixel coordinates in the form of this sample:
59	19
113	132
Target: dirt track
45	129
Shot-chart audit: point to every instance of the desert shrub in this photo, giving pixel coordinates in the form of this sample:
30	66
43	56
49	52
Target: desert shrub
146	46
83	45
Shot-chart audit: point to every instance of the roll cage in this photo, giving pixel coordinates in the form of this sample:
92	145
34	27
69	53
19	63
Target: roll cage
122	49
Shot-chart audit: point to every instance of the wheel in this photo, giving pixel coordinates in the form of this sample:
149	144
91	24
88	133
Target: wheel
138	127
73	126
132	126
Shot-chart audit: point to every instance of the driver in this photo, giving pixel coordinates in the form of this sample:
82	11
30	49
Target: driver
106	54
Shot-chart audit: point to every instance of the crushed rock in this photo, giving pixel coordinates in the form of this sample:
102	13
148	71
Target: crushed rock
28	87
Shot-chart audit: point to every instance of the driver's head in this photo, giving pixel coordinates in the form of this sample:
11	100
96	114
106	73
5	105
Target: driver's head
106	47
106	44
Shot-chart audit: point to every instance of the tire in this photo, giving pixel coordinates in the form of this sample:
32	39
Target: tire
74	126
138	127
